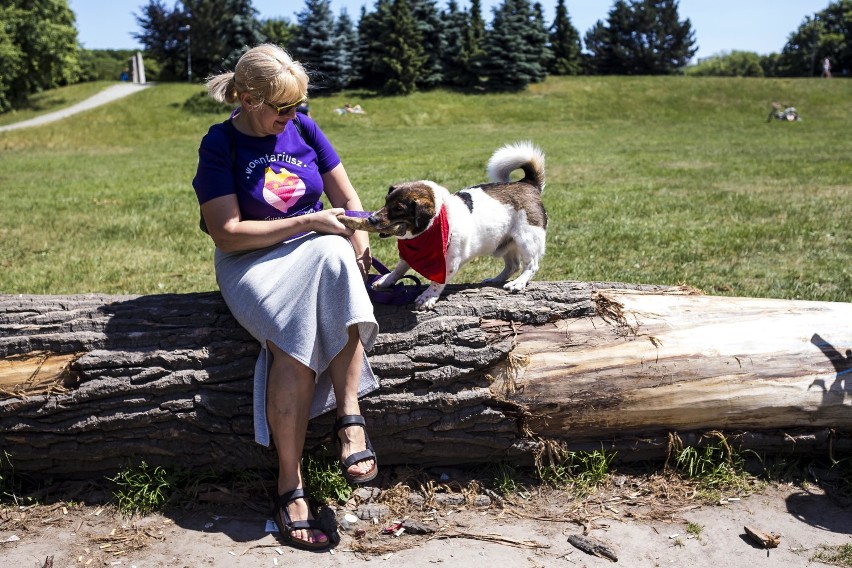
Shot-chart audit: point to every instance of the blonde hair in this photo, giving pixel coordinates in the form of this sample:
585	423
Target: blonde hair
267	73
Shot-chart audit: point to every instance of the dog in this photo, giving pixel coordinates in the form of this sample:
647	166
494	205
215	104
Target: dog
438	232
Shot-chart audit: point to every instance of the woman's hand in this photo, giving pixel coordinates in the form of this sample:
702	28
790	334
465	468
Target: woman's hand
326	222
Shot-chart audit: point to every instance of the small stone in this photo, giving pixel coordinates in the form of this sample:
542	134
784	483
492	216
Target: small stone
482	501
449	499
372	511
414	527
366	494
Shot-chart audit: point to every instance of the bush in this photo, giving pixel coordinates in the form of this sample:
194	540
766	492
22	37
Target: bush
202	103
733	64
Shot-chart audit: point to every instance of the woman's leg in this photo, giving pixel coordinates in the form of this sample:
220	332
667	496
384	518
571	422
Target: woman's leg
345	371
289	391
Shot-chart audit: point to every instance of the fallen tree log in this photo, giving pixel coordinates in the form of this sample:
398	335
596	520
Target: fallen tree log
89	383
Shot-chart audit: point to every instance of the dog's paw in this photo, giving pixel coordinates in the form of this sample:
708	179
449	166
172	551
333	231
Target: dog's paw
384	281
425	301
514	286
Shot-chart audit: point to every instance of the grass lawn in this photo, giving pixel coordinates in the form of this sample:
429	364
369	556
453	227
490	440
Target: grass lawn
660	180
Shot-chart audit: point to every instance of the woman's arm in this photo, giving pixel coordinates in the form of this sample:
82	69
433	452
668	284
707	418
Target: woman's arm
231	233
342	194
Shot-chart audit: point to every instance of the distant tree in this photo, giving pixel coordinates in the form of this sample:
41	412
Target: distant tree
403	57
537	40
513	44
163	39
38	49
347	38
214	33
371	29
278	31
430	27
770	64
565	44
733	64
242	31
11	58
105	64
827	34
475	42
317	46
455	58
464	32
641	37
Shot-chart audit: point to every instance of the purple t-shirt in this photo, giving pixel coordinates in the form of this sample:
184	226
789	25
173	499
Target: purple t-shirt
276	176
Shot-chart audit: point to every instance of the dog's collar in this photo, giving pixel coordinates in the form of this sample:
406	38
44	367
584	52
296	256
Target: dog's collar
427	252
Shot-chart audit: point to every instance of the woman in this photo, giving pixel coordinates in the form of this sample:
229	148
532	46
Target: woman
291	274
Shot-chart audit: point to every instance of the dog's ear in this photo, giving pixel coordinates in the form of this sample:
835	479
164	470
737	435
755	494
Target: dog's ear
423	214
390	189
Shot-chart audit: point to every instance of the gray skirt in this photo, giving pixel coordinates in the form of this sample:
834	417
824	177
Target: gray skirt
302	295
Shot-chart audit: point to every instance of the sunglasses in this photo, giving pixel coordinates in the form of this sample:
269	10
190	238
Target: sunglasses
284	109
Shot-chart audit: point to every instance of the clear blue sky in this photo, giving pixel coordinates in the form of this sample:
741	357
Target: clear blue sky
720	25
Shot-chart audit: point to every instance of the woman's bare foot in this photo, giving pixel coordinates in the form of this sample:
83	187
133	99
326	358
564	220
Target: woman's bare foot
298	511
356	453
352	441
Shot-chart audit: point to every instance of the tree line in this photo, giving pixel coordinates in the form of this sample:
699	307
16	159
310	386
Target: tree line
399	46
405	45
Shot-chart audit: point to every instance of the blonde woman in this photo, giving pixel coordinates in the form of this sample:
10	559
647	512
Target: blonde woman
290	273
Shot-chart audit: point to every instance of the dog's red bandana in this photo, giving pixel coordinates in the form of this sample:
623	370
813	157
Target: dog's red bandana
427	252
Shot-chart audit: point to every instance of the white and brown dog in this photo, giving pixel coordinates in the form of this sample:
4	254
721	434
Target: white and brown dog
439	232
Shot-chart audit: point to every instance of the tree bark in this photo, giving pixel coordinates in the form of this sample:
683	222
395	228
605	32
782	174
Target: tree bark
90	384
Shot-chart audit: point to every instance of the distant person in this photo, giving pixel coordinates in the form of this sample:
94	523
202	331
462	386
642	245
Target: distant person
124	76
349	109
782	112
826	68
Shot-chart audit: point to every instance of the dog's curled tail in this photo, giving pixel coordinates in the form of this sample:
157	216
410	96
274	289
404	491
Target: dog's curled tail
524	155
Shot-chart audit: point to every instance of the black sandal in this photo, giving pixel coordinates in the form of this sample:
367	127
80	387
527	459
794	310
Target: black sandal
286	525
352	459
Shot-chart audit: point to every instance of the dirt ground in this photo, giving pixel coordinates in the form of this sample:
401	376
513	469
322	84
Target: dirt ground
644	522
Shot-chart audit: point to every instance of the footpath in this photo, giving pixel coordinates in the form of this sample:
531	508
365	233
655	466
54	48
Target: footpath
108	95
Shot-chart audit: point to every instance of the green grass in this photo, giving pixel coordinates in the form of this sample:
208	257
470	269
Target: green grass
694	529
578	471
142	488
835	555
325	479
716	467
650	180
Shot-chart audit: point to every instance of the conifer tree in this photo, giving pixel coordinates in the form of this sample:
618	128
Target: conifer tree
644	37
537	43
513	47
347	38
565	44
455	59
242	30
430	27
317	47
402	60
278	31
371	34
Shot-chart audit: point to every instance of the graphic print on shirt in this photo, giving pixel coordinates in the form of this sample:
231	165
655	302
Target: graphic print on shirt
282	189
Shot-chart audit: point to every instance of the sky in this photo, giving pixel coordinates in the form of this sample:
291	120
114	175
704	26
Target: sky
762	26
